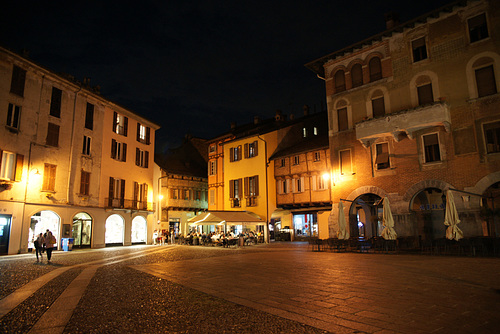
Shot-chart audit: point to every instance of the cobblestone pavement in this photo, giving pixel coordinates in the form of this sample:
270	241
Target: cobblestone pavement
277	288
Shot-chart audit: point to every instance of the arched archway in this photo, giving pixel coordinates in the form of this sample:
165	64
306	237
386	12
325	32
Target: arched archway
114	234
428	206
139	230
365	215
490	210
82	230
41	222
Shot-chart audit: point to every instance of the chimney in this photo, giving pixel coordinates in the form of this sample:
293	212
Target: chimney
256	120
391	20
278	116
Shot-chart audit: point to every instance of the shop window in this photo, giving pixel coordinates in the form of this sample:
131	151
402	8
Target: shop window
13	116
55	102
382	156
89	116
342	119
425	95
49	177
492	137
419	49
478	28
345	162
375	69
86	145
431	148
84	183
485	81
18	81
339	81
52	135
357	75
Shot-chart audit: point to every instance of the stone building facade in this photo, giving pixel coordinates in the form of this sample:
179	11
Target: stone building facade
414	112
71	161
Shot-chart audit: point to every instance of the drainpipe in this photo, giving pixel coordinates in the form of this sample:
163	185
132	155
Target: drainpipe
71	147
266	229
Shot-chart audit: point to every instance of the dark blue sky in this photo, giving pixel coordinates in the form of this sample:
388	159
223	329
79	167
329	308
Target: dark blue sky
196	66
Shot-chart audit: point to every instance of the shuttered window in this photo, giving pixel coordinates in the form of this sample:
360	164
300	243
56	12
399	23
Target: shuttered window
52	135
342	119
49	177
425	95
357	75
485	81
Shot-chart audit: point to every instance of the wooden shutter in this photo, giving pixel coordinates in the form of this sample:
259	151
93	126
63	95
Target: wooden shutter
113	149
255	146
231	154
314	180
378	106
111	188
246	151
148	135
342	119
231	188
122	189
256	178
124	155
247	188
55	103
485	81
136	191
52	134
146	159
239	187
345	162
138	132
19	166
115	121
125	126
425	95
137	156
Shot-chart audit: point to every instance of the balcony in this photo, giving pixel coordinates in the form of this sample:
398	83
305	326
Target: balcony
405	122
128	204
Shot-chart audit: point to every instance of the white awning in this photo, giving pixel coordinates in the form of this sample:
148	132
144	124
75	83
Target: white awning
226	217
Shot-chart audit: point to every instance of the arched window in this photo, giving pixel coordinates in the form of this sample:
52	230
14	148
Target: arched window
485	77
339	81
375	69
357	75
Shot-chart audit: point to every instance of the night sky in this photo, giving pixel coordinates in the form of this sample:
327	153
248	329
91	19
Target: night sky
196	66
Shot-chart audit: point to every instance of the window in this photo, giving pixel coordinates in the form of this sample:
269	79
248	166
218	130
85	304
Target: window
375	69
212	196
13	116
143	134
55	102
140	196
197	195
492	137
382	158
89	116
357	75
52	135
296	160
18	80
322	185
315	131
431	148
211	149
116	193
345	162
342	119
175	194
212	167
478	28
282	163
49	177
317	156
378	104
235	192
284	186
118	150
425	95
304	132
86	145
11	166
485	81
120	124
84	183
298	185
235	153
251	190
419	49
339	81
251	149
141	158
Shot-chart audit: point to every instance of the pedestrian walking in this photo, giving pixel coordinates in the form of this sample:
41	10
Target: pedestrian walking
39	241
50	241
172	237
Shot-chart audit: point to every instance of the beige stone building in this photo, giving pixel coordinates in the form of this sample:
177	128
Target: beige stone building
71	161
414	112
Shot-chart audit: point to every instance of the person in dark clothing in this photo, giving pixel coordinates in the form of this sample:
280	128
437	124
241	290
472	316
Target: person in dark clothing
39	241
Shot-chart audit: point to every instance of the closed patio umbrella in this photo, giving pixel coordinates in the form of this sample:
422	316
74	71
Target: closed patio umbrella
451	218
388	233
343	232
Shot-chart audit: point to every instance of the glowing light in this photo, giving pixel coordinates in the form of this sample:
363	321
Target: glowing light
326	176
160	197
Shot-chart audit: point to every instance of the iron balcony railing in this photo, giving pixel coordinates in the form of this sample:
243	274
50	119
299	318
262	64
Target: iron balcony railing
129	204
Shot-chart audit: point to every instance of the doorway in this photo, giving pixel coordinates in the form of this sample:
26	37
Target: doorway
82	230
4	233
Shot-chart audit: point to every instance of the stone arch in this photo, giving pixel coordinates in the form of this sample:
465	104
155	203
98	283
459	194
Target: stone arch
419	186
366	190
